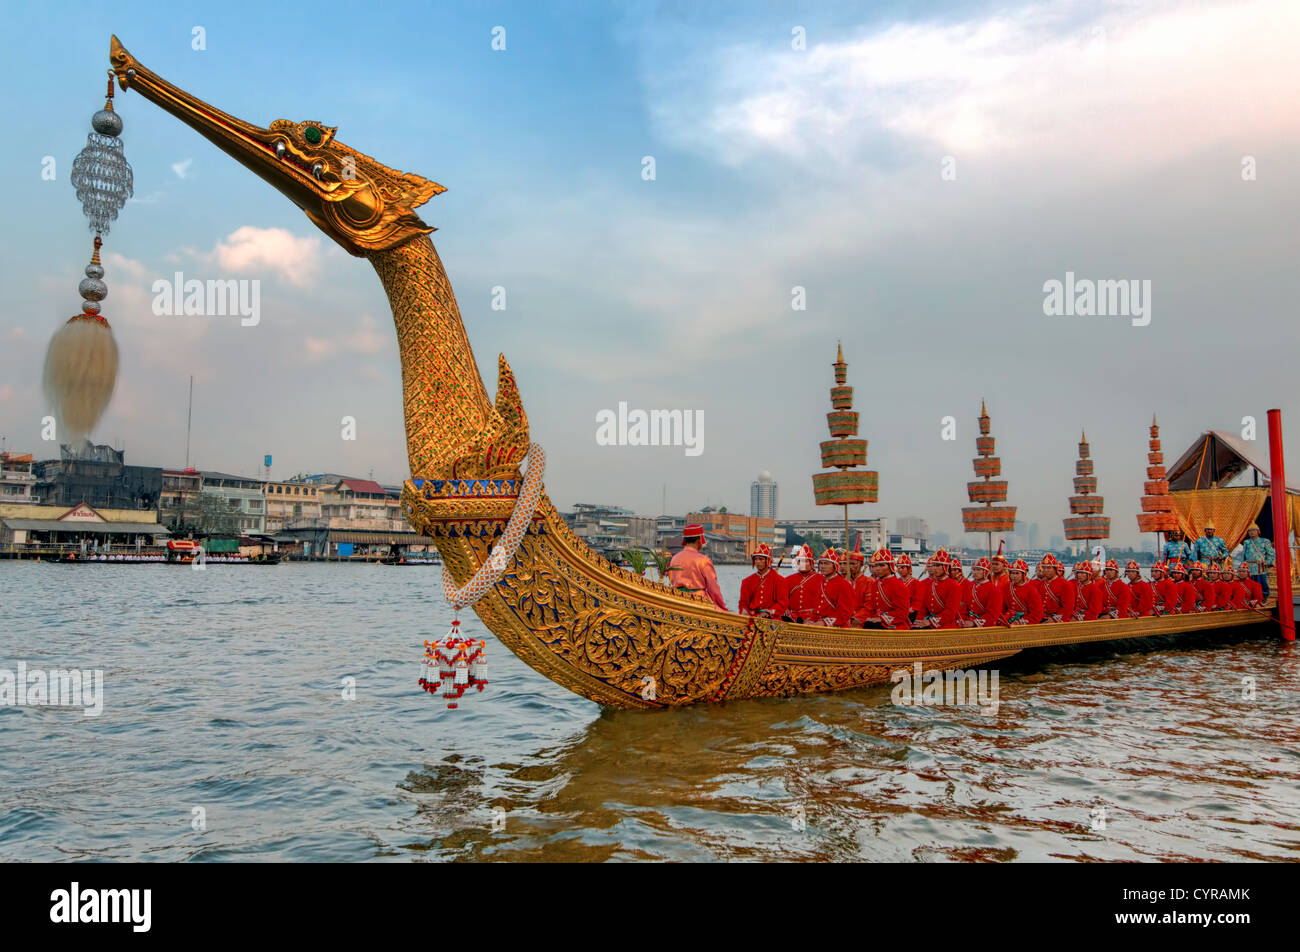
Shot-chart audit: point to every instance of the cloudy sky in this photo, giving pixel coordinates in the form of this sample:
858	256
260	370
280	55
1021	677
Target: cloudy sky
919	169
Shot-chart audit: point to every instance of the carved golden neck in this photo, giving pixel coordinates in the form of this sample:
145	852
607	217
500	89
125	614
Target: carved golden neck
443	396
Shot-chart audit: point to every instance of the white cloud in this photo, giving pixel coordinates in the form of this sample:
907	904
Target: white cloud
182	168
253	249
367	339
1050	79
128	266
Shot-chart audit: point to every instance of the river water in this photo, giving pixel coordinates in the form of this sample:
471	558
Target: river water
226	734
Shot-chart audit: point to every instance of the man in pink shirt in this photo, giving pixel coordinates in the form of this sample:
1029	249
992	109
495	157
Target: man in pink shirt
692	570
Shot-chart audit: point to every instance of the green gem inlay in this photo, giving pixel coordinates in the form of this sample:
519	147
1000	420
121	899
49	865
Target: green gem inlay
313	135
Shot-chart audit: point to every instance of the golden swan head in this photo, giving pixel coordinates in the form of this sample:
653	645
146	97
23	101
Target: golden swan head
360	203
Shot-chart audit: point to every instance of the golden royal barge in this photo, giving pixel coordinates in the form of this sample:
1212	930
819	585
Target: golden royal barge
570	614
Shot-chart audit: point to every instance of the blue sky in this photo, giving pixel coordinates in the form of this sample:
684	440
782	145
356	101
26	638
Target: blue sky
1101	138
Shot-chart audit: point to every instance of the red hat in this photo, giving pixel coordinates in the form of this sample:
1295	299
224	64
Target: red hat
902	561
998	556
983	563
954	564
805	552
1197	565
1051	559
1112	564
762	549
939	558
830	555
1020	565
857	555
1084	567
882	556
1177	566
1159	567
1132	566
692	532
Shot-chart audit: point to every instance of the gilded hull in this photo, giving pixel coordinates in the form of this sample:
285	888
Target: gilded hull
624	641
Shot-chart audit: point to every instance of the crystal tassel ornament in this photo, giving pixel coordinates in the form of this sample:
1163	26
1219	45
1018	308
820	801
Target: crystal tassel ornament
81	361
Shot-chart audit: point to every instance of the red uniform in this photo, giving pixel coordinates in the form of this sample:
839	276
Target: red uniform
937	601
1142	599
965	584
1025	607
984	606
889	602
1058	599
803	595
1088	601
1204	594
1115	597
1222	595
909	586
1166	597
863	601
1003	583
1186	597
763	592
1256	596
1240	593
836	601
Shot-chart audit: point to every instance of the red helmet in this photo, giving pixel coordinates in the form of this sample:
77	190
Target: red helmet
882	556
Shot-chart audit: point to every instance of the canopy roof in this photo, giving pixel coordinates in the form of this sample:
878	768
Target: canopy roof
1216	457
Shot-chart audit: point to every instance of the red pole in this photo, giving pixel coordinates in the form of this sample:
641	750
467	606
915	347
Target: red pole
1281	525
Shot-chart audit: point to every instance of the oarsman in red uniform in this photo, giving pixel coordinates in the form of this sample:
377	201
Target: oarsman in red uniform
937	597
835	610
998	569
1204	587
1223	587
1058	593
803	589
1026	605
856	561
984	603
903	566
886	603
1184	591
1041	584
1142	594
692	570
1115	594
1087	593
1165	589
1254	595
763	593
957	575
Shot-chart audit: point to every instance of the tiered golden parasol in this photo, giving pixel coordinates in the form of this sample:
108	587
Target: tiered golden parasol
850	485
1157	513
987	517
1087	523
